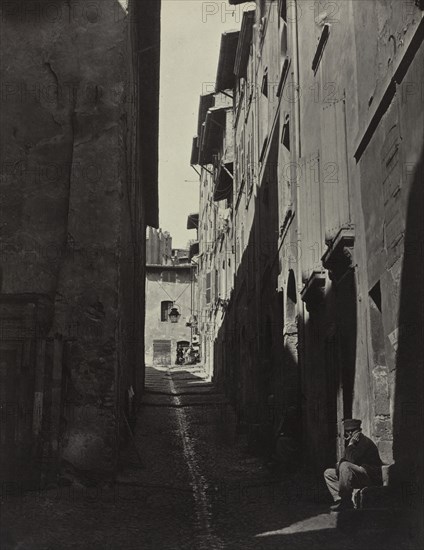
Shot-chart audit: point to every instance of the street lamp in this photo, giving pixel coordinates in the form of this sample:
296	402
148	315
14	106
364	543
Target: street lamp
174	315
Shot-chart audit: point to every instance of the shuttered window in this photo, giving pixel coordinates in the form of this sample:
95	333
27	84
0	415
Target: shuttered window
216	284
334	170
165	308
311	215
169	276
208	287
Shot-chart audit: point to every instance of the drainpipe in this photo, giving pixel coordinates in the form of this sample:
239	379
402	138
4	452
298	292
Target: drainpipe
296	113
191	302
298	147
300	307
295	46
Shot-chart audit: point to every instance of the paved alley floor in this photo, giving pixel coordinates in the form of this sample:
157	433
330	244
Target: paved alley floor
197	489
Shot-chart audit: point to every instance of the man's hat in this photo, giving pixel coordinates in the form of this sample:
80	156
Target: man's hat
352	424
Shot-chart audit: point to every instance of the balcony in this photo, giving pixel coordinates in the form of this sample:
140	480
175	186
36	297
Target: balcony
313	291
225	77
338	258
193	250
194	158
193	221
243	46
224	181
212	134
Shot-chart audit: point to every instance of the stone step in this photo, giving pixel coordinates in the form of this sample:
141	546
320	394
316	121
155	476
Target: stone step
373	519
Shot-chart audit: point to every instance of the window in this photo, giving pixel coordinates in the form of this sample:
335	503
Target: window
216	284
208	287
282	24
282	27
264	88
165	308
283	9
377	328
250	170
291	299
251	165
283	75
169	276
237	174
375	295
285	134
242	165
320	48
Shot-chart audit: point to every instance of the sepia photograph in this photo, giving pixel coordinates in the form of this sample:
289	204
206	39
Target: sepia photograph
211	275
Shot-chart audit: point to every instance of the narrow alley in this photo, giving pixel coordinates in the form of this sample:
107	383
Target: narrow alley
197	488
211	274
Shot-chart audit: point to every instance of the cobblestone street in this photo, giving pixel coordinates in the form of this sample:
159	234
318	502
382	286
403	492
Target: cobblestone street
198	489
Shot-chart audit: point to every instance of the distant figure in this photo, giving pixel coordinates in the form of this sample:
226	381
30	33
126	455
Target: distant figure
360	467
180	356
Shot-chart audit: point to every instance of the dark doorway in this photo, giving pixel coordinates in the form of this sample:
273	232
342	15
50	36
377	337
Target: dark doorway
346	321
182	347
17	387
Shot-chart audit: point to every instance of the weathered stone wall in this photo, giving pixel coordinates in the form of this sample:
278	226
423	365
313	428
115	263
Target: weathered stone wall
391	156
350	233
73	224
347	354
158	246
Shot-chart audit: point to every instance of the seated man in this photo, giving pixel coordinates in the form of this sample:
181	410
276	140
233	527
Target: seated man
360	467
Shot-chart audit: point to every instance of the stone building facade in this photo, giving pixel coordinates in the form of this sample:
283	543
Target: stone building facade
171	288
323	318
78	187
158	246
215	255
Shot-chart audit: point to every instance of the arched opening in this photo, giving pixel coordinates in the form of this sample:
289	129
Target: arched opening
182	349
291	299
291	372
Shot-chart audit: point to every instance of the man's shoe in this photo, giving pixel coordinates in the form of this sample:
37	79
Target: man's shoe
341	505
336	505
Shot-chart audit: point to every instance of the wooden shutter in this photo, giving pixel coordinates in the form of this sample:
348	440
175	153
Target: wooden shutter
334	168
311	215
208	287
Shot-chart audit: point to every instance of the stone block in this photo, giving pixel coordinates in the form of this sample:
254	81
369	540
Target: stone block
377	497
381	391
383	428
89	443
385	449
371	519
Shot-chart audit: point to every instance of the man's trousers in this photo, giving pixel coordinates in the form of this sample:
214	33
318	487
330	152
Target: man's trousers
350	477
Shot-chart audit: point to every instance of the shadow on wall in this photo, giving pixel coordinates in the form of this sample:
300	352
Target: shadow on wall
71	214
408	401
261	371
254	364
328	366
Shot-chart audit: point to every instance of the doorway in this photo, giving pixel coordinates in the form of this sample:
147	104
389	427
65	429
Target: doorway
162	352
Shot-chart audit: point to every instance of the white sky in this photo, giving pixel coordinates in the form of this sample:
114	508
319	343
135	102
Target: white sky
191	36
